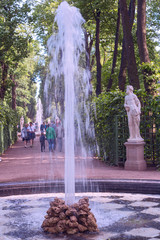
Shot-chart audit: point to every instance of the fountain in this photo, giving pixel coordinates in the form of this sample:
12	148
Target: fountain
66	48
119	215
39	115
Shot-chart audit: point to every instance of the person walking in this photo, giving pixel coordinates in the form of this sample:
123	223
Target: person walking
53	125
32	134
24	135
42	141
51	136
42	127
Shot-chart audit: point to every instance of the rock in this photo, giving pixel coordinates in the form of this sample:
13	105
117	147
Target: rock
56	209
84	206
71	211
76	206
83	221
51	230
73	224
45	223
73	219
81	212
62	215
84	201
57	202
49	212
61	226
91	221
92	229
53	220
82	228
64	207
61	218
72	231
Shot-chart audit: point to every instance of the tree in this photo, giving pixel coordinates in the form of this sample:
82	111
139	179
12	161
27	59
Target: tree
142	45
25	83
141	31
129	45
115	49
43	19
123	66
97	18
13	41
100	19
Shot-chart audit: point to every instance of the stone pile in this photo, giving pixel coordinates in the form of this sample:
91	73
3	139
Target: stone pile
72	219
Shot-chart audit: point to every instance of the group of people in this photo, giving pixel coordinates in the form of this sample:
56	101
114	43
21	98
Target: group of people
28	134
51	132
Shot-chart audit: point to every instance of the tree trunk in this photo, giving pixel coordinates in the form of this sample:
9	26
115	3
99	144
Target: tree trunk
123	67
131	61
98	87
88	47
141	31
142	42
115	50
14	86
3	84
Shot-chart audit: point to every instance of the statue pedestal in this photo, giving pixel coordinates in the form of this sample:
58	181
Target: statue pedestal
135	156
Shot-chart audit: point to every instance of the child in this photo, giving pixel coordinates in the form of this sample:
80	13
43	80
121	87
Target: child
42	141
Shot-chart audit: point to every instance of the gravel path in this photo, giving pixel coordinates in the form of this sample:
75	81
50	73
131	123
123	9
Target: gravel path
20	164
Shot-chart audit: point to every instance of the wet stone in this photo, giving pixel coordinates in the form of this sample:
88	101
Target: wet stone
46	199
152	211
15	215
144	204
144	232
120	201
157	200
23	233
115	197
17	201
136	209
16	208
124	237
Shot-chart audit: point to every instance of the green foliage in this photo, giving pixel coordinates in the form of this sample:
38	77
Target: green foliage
8	126
43	18
108	106
151	73
13	42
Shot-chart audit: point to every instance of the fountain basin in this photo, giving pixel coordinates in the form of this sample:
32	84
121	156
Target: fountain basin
116	185
119	216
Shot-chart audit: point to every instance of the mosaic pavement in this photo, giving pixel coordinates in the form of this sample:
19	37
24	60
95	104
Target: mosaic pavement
119	217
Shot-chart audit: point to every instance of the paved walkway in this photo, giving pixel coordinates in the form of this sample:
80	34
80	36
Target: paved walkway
29	164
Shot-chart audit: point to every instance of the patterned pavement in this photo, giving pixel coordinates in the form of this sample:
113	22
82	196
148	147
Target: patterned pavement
119	216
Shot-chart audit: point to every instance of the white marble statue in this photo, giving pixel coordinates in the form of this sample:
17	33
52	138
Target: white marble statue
133	108
21	122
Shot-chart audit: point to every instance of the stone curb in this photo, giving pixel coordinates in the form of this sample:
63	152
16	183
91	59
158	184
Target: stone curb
116	185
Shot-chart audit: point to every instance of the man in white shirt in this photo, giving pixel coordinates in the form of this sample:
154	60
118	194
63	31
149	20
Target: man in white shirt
32	135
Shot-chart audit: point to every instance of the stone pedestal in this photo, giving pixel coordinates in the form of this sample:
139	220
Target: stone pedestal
135	156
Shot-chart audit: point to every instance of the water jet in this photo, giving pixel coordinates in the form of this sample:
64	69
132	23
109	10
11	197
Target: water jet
65	49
